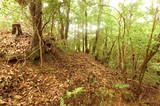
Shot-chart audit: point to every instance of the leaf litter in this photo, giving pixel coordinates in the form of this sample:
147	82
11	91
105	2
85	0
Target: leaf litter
32	85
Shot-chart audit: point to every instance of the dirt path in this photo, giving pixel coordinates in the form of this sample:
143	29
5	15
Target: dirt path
31	85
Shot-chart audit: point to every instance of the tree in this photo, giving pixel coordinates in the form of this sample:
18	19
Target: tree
98	27
35	7
68	2
150	52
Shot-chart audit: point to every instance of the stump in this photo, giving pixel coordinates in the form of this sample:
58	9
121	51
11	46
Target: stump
16	29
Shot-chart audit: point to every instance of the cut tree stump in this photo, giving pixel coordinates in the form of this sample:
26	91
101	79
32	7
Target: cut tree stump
16	29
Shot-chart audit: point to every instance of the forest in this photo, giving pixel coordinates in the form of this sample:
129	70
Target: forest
80	52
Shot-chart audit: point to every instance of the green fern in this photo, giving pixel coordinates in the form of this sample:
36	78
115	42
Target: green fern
70	94
62	102
120	85
75	92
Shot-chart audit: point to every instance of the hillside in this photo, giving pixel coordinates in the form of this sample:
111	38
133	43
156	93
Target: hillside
75	78
79	53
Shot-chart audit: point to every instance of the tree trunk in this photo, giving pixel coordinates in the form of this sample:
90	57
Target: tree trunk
62	29
150	55
109	53
78	39
61	24
123	67
67	19
149	52
98	28
83	37
86	30
36	15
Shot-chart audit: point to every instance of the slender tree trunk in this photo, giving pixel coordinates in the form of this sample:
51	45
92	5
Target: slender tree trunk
150	55
98	28
61	26
67	19
62	29
83	37
133	56
105	48
78	45
52	25
36	14
86	29
123	68
149	52
107	58
119	46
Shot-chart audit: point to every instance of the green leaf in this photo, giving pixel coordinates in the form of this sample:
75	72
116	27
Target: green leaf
69	94
75	92
62	102
120	85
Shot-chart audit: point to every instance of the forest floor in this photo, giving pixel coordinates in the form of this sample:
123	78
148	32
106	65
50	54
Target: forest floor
76	79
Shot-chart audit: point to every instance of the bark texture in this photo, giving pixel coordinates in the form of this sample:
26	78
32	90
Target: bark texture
36	15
